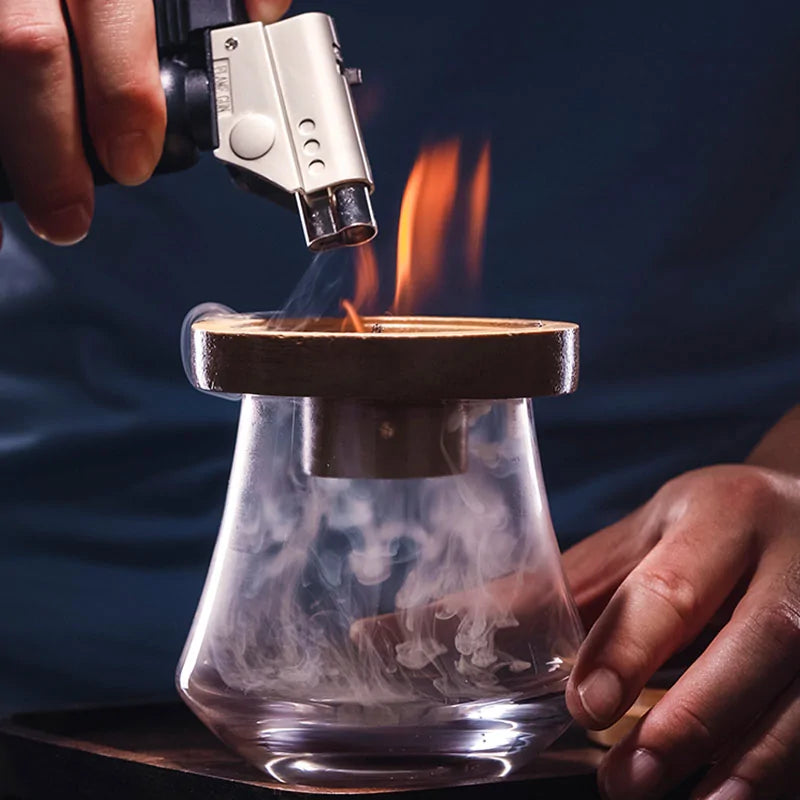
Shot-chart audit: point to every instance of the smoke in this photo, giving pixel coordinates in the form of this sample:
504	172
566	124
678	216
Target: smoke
319	292
380	593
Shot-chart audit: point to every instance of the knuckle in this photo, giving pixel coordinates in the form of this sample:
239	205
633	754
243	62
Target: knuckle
62	197
780	621
773	748
752	487
51	194
28	41
791	577
674	590
55	204
630	658
684	727
766	763
133	99
671	488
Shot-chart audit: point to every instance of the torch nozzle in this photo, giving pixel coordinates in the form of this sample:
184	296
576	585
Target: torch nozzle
338	217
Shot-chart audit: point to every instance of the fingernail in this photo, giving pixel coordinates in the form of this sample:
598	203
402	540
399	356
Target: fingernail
601	695
732	789
66	226
131	158
632	778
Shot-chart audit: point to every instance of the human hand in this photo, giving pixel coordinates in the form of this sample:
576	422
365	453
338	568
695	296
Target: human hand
40	136
721	544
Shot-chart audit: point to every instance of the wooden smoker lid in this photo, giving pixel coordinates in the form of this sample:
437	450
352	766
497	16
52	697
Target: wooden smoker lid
398	359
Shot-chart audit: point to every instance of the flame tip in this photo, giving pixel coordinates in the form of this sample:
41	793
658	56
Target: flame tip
426	211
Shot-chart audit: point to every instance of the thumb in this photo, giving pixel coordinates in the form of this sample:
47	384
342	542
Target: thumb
267	10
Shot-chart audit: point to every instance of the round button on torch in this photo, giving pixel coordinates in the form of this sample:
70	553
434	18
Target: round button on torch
253	136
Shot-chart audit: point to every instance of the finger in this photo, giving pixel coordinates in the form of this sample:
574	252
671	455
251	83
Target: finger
766	762
40	140
747	666
661	606
267	10
125	105
596	566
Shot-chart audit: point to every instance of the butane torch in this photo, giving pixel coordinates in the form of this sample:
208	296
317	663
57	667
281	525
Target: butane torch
272	102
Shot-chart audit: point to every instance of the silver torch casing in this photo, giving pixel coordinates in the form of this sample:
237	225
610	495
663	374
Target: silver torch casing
285	114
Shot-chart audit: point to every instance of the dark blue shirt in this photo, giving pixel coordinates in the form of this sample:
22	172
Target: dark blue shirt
645	185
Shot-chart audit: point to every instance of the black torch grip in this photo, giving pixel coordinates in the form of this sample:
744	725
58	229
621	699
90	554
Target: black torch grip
182	28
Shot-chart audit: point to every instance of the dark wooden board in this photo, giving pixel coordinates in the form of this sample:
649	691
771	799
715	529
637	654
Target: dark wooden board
161	751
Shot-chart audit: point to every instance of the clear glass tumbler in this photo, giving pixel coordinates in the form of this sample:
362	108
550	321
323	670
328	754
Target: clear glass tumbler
385	605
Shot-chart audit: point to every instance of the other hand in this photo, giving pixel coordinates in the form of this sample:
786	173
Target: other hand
40	134
719	544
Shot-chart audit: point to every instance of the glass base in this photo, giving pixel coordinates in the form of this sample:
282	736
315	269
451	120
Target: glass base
364	773
312	746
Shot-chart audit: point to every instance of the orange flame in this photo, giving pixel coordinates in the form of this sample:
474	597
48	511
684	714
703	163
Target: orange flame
430	201
351	318
366	292
366	289
424	216
478	211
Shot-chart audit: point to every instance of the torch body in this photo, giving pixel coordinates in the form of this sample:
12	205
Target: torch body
273	103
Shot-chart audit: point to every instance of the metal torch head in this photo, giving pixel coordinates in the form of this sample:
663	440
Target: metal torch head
286	122
337	217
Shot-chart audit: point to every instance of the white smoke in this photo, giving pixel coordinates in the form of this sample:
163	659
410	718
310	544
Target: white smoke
387	592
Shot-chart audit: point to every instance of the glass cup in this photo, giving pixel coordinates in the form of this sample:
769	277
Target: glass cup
385	605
